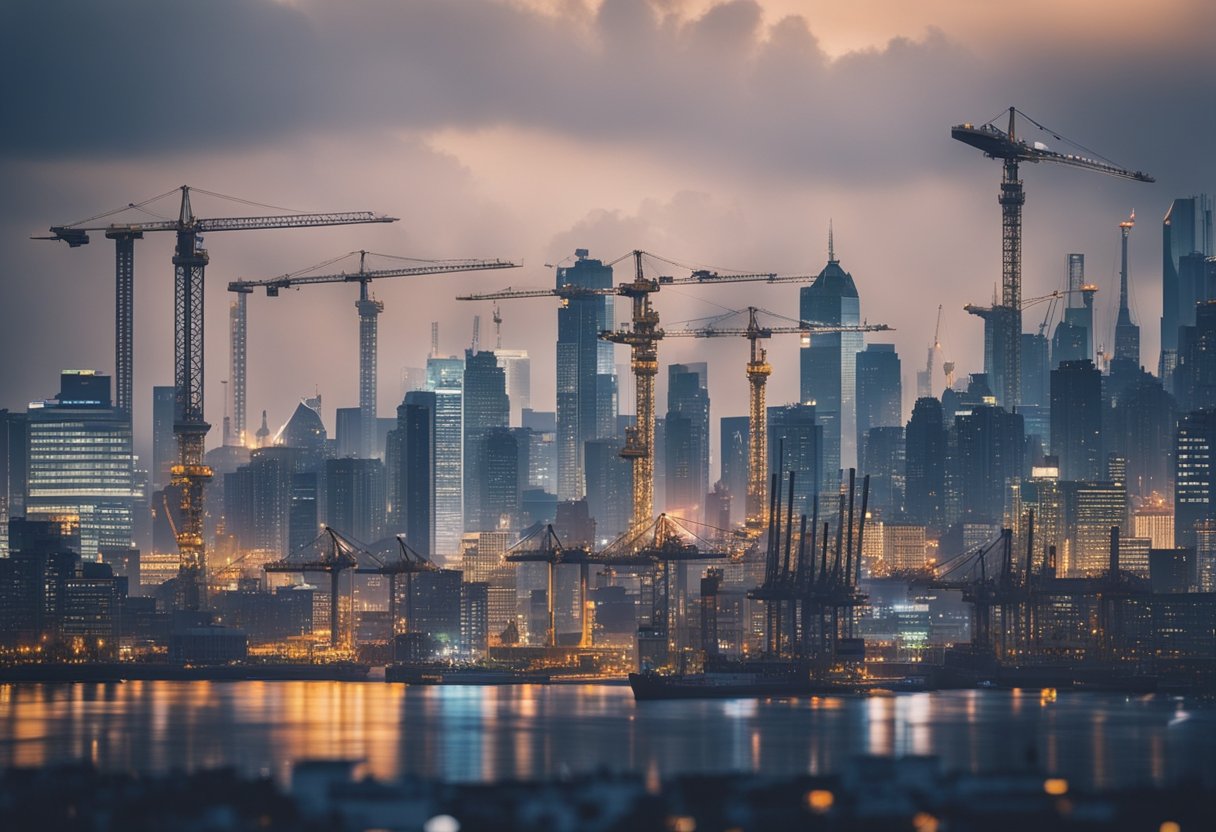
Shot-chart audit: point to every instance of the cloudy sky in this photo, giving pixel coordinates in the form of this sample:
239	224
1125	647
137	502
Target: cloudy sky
716	133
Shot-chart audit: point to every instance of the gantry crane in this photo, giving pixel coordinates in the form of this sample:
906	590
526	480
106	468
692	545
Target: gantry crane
1010	149
189	425
369	310
338	557
642	337
758	371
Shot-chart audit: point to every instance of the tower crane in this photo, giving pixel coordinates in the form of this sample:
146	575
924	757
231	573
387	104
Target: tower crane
642	337
758	371
1011	149
189	425
924	378
369	310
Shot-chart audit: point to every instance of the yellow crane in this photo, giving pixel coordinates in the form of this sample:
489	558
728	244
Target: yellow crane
758	371
642	337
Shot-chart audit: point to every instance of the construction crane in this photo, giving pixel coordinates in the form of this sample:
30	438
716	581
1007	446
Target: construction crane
758	371
642	338
369	310
995	349
924	378
1006	146
190	427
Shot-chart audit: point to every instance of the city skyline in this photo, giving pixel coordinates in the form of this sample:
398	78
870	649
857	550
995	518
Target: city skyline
699	190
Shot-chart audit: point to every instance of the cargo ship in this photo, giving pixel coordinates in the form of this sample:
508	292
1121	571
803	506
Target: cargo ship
445	674
764	680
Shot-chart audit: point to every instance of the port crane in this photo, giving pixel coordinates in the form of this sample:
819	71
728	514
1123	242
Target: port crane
190	427
642	337
338	555
368	308
758	371
1011	149
408	564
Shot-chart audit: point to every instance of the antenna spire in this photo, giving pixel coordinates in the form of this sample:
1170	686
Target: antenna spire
831	243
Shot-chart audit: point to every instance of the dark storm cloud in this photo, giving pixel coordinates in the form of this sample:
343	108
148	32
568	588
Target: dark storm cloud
729	90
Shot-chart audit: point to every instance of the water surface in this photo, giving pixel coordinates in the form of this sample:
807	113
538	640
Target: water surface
494	733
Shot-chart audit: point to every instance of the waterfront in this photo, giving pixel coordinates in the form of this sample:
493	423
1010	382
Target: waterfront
535	732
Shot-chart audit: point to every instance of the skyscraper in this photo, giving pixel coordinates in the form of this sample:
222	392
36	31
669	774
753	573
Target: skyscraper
415	474
80	462
796	443
733	453
485	407
585	380
1127	334
609	487
1194	474
1195	373
988	457
1140	428
1076	420
1073	339
164	445
354	497
517	368
503	462
828	363
879	393
1186	228
445	378
14	470
925	454
686	439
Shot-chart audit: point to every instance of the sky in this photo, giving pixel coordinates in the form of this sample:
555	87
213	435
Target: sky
724	134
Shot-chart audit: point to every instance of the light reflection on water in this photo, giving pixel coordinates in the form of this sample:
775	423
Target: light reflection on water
493	733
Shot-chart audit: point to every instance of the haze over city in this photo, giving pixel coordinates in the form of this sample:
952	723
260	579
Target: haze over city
721	134
679	415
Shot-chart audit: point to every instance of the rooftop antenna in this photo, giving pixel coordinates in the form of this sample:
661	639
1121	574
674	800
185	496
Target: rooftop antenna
476	333
497	328
831	243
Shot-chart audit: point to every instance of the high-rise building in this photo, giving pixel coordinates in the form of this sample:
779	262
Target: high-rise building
733	453
1194	474
517	369
164	443
925	454
81	463
1140	427
1073	339
796	443
414	472
886	462
1091	509
445	378
609	487
827	372
354	498
1076	419
1186	229
14	470
1036	366
258	501
586	383
686	440
1195	372
1126	360
988	445
485	407
879	392
503	460
1156	522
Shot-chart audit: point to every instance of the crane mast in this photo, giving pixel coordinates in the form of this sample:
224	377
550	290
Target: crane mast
758	371
190	473
1006	317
